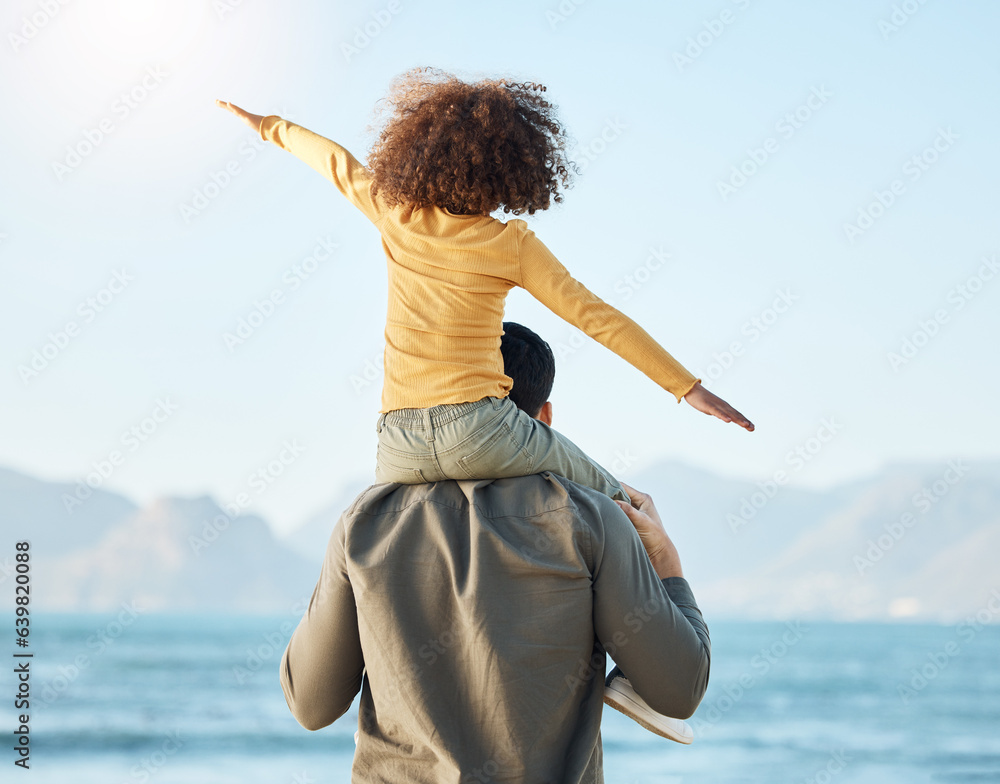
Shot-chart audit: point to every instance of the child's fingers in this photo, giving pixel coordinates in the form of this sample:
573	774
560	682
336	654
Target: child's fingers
729	414
231	107
741	420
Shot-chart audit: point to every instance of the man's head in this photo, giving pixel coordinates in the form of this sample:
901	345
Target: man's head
528	360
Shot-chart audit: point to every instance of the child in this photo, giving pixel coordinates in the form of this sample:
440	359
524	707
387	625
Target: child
452	154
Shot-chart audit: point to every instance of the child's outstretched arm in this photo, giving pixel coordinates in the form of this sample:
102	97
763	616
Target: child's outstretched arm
548	281
323	155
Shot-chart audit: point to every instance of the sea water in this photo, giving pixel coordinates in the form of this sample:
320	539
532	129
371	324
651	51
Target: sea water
171	699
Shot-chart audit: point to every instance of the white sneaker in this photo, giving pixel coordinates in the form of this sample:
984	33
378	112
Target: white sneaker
619	694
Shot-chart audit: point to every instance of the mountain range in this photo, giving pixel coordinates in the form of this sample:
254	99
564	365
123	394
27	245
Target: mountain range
915	541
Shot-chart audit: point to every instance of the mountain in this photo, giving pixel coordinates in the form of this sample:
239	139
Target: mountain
178	554
915	541
309	540
702	514
57	517
764	550
908	543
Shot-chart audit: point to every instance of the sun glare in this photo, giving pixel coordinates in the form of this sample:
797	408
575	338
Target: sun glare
138	31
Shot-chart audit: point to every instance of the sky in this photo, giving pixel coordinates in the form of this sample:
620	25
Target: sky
797	200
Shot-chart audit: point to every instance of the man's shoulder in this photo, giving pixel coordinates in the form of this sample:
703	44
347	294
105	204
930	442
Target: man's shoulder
521	496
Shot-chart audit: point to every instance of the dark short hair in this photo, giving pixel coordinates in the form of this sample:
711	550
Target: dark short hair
528	360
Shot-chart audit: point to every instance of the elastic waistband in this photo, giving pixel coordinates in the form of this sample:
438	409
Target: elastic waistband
439	415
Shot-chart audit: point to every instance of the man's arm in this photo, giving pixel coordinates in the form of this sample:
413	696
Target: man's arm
322	666
646	616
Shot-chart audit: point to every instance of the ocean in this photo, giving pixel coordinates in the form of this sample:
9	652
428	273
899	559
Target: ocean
127	697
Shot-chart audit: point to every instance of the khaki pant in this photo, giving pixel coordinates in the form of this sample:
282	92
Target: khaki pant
489	439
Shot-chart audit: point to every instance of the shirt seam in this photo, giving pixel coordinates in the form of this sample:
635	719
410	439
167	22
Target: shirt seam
485	512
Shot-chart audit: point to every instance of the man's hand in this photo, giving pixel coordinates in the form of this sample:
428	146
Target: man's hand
253	120
707	403
660	549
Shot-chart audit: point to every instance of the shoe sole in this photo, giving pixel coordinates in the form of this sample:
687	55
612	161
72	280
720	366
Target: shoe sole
623	703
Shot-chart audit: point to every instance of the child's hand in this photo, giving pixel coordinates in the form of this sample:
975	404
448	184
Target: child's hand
253	120
707	403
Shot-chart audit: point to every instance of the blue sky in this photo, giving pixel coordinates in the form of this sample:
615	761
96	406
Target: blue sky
783	194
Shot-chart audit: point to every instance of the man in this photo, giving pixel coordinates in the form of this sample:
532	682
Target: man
474	617
528	360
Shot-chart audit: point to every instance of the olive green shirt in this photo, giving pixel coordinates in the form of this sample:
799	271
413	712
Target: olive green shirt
474	617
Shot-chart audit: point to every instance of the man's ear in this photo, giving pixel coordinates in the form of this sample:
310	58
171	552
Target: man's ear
545	413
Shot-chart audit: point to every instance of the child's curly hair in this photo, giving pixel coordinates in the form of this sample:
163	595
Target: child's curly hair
470	148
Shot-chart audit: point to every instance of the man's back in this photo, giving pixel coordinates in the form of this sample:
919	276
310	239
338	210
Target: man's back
479	607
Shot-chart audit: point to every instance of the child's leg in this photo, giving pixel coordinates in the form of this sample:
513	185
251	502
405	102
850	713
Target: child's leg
489	439
410	440
406	448
504	441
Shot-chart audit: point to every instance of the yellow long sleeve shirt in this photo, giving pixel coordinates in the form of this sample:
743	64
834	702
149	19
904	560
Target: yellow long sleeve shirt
448	280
